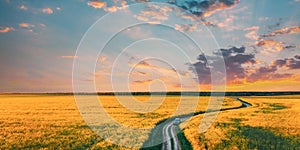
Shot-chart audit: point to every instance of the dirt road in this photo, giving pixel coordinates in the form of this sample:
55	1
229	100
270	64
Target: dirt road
169	130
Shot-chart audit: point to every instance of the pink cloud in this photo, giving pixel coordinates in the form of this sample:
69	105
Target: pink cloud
23	7
111	9
96	4
287	30
252	32
47	10
26	25
69	57
6	29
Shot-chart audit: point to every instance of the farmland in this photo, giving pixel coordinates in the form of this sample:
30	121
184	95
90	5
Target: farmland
53	121
271	123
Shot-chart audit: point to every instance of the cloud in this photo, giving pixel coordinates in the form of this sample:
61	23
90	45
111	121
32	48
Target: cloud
287	30
102	59
42	25
23	7
47	10
187	16
271	72
270	45
139	73
202	70
234	59
69	57
228	23
267	73
252	32
142	81
58	8
138	33
186	27
96	4
111	9
26	25
117	4
206	8
6	29
146	65
242	67
154	13
289	63
102	74
161	70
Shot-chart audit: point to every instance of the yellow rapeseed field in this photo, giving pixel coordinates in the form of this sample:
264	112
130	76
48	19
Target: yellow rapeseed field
271	123
53	121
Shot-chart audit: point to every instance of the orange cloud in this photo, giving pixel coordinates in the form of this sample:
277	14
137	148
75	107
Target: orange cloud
102	59
287	30
154	14
111	9
207	8
102	74
26	25
139	73
23	7
266	85
6	29
96	4
252	34
271	45
69	57
218	7
47	10
142	81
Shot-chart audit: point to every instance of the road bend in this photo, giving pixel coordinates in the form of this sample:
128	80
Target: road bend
169	129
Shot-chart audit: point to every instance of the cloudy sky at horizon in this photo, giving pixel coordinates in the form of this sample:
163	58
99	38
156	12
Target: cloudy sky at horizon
257	40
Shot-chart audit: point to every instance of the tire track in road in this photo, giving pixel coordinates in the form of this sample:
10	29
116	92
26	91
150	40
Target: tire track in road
167	144
175	138
176	144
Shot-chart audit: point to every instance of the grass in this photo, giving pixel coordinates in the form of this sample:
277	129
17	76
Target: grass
271	123
184	143
271	107
247	137
37	122
54	122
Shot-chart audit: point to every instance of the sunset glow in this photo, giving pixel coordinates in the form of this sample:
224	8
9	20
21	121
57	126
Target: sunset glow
258	41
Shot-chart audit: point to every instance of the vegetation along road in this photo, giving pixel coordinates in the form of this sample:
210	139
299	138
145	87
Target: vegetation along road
170	134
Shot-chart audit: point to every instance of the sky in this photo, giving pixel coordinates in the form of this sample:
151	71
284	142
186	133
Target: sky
143	45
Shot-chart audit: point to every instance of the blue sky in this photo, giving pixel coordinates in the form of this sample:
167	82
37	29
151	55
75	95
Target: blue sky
39	42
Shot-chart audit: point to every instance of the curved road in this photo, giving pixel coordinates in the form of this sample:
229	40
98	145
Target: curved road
169	130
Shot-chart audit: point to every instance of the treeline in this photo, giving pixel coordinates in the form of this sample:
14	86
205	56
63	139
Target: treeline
175	93
199	93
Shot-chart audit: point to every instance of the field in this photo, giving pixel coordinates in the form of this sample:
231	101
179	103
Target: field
53	122
271	123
